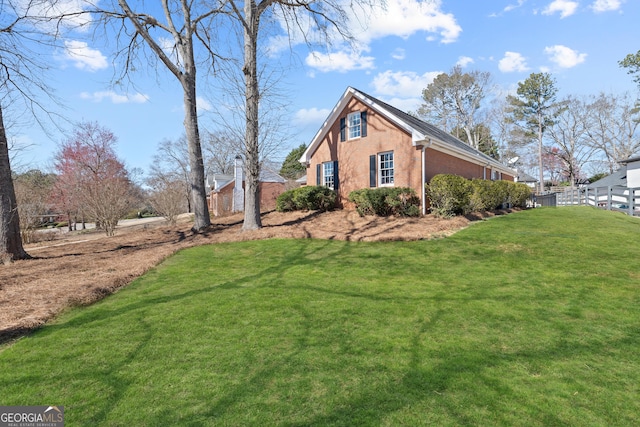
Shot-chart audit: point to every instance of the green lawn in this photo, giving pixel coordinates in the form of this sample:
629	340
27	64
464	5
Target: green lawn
531	319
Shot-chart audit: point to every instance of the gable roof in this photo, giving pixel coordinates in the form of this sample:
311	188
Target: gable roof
266	175
630	160
523	177
422	133
618	178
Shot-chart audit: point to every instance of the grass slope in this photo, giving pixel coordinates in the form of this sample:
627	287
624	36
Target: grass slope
529	319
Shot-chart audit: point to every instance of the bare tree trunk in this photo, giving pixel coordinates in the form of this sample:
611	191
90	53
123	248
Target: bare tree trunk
10	240
198	199
186	74
252	218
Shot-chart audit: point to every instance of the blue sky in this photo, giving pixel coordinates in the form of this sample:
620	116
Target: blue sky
399	52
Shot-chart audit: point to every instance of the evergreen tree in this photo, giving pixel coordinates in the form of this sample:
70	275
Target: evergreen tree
535	109
292	168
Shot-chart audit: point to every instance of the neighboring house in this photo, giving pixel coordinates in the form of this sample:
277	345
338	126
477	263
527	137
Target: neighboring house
527	179
227	191
616	179
632	165
627	176
366	143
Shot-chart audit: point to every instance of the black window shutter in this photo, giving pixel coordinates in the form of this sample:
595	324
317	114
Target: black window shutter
343	129
372	170
336	181
318	174
363	123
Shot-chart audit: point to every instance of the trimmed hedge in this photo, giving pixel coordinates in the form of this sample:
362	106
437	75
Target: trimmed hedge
452	195
310	197
386	201
518	194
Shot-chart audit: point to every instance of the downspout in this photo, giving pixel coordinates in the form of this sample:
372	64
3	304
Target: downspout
424	178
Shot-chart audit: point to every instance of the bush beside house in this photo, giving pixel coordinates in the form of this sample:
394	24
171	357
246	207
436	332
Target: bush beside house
309	197
452	195
386	201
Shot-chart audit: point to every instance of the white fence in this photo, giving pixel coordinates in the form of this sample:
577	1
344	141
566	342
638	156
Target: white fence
614	198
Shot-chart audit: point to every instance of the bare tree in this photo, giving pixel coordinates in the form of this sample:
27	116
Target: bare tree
167	197
569	133
171	164
87	163
454	101
21	80
220	149
32	194
174	38
612	128
325	19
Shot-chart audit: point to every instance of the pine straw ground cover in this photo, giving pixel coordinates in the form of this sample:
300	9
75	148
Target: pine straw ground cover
83	267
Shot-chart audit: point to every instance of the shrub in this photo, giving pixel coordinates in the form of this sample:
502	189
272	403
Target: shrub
309	197
519	193
501	191
484	195
450	195
386	201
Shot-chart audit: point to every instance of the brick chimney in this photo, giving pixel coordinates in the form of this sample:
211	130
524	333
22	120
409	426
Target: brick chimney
238	191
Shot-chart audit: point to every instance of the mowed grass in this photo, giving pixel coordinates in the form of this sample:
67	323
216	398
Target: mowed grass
532	319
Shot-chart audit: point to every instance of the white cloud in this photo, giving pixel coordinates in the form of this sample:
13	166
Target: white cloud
84	57
512	61
511	7
463	61
203	105
405	104
606	5
74	12
398	54
115	98
404	18
339	61
402	83
307	116
399	18
564	57
565	7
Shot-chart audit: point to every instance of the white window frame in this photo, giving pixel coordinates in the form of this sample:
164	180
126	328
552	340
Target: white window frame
354	125
328	175
386	179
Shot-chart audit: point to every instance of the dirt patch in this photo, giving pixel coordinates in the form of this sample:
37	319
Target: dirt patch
82	268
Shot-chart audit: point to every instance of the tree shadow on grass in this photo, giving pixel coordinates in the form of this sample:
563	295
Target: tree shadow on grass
429	378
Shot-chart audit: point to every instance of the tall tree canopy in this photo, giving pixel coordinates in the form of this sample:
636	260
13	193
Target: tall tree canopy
535	109
453	100
632	63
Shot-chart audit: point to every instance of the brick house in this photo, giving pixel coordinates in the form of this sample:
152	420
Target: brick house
227	191
366	143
